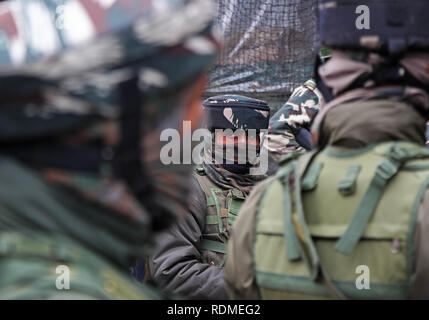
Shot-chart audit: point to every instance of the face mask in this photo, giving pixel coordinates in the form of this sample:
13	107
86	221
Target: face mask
237	151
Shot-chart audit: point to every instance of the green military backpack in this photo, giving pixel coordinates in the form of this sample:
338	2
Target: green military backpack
346	212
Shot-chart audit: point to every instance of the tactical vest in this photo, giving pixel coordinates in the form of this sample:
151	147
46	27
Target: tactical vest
350	215
40	267
223	206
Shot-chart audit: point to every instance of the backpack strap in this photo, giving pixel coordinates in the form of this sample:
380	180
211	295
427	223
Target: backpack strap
211	199
206	189
291	240
298	241
396	155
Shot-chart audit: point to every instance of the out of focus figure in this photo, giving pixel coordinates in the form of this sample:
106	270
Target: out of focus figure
86	89
351	218
189	257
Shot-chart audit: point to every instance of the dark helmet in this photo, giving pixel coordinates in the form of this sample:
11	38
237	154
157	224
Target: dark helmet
394	26
392	30
235	112
130	66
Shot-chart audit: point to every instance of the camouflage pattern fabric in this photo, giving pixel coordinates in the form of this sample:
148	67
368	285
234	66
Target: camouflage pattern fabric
70	90
295	116
228	180
69	96
235	112
47	92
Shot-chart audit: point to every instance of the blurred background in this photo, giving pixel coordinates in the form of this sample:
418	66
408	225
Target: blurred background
269	48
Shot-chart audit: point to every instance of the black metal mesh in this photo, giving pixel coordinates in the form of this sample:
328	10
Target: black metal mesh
269	48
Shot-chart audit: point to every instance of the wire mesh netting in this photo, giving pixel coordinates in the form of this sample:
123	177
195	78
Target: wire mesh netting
269	48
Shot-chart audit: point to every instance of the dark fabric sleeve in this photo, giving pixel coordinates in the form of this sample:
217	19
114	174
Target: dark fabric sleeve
303	137
175	264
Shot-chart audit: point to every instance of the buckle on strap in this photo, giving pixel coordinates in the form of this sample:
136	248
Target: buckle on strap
388	168
398	153
406	152
238	194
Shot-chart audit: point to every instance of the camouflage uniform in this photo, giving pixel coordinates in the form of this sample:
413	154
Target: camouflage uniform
82	187
189	258
290	126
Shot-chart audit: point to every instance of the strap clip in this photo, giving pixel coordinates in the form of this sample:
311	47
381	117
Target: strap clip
387	169
347	185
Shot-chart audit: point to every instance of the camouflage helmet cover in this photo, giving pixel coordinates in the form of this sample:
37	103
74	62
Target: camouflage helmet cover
235	112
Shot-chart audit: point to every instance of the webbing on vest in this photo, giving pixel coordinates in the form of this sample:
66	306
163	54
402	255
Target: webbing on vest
215	246
294	246
291	240
395	157
303	166
234	204
310	179
299	243
347	185
237	199
211	200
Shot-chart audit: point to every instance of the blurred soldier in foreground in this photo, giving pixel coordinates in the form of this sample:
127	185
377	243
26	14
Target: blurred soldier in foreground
189	258
350	219
82	188
289	128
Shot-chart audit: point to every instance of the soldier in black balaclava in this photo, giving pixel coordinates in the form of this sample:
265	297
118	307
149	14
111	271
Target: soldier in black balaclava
189	257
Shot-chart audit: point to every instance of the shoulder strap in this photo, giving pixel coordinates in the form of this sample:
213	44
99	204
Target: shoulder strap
298	241
396	155
206	187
